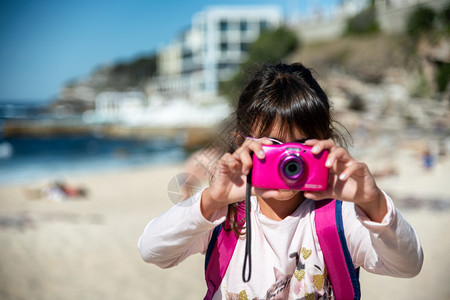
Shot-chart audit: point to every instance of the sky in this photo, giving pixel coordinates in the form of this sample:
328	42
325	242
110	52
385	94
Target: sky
44	44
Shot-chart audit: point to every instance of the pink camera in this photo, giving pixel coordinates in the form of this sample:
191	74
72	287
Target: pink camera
290	166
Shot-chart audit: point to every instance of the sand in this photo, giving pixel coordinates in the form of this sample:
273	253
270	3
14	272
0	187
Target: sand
86	249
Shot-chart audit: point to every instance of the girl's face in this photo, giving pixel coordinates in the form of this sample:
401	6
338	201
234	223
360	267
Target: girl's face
281	195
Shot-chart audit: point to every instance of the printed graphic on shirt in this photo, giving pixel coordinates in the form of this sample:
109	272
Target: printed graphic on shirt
310	281
280	289
306	253
307	281
241	296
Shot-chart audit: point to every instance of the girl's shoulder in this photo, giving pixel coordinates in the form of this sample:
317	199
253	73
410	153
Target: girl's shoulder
346	210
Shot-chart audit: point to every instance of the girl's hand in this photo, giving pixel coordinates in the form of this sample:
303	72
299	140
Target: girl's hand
228	183
350	180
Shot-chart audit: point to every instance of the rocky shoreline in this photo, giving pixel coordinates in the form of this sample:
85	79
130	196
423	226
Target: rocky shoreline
190	138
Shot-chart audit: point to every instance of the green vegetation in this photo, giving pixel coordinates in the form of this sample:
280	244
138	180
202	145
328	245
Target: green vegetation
271	46
364	22
422	86
444	18
443	76
425	23
421	21
134	73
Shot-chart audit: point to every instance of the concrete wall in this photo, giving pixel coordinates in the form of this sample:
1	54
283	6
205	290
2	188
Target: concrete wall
392	17
322	31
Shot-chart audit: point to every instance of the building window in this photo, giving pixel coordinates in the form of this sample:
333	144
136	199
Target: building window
223	47
223	25
187	54
223	66
243	26
263	25
244	47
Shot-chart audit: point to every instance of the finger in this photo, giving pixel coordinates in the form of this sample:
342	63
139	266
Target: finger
338	154
311	142
222	164
243	154
354	168
257	149
246	162
319	195
319	146
266	141
239	180
252	145
255	146
244	157
228	163
242	148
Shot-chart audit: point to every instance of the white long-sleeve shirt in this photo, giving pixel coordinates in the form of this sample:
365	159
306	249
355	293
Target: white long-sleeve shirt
287	262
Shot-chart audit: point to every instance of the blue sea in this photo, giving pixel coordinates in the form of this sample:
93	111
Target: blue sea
27	159
24	160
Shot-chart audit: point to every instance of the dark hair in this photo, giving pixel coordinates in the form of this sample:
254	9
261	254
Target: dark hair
285	93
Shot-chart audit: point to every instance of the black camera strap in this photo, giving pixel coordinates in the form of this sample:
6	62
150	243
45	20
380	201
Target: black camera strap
248	231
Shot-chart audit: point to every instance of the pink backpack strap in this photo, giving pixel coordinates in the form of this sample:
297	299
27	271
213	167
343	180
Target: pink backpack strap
330	232
220	250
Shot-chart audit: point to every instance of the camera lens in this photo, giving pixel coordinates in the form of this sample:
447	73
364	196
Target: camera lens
292	168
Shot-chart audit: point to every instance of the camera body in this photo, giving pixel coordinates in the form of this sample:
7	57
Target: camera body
290	166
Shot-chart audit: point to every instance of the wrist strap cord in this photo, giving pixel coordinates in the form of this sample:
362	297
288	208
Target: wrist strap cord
248	232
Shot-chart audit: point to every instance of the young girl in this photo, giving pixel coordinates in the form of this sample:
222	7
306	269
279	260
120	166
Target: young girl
284	103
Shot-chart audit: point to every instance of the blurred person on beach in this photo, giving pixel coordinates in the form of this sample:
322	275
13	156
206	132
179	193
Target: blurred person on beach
428	160
284	102
57	191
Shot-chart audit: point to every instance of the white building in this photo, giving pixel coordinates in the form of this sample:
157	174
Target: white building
212	49
113	106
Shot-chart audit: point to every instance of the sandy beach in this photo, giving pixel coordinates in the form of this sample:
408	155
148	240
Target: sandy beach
86	249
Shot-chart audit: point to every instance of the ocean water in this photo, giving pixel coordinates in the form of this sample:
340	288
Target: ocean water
24	160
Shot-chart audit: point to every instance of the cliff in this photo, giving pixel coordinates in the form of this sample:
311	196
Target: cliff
79	95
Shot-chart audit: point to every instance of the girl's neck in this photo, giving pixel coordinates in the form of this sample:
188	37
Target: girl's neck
278	210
